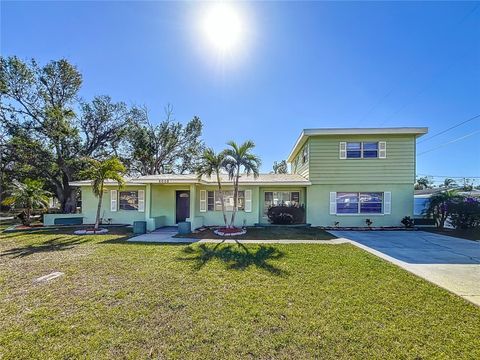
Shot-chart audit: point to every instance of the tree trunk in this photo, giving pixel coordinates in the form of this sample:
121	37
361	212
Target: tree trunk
235	195
99	207
220	190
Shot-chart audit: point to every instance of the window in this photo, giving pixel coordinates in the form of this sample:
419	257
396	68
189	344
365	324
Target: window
305	154
214	202
370	149
360	203
354	150
211	201
358	150
273	198
128	200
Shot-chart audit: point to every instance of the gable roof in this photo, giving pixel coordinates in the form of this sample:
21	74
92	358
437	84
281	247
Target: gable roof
306	133
262	179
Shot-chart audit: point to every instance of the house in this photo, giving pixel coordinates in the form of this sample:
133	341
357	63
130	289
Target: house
340	175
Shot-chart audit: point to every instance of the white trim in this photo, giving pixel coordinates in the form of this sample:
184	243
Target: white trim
382	149
113	200
141	200
387	202
203	200
247	200
333	203
342	150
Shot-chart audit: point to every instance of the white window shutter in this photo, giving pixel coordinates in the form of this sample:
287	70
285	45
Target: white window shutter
113	200
382	149
343	150
248	200
141	200
387	202
203	200
333	203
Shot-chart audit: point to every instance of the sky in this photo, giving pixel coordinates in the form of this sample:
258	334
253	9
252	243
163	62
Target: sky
294	65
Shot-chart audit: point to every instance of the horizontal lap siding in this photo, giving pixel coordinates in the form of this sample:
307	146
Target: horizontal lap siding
301	169
325	167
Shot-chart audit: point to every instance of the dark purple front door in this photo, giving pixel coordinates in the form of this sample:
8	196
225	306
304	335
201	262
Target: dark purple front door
183	205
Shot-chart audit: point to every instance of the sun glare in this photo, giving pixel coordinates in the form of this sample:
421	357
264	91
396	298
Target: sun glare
224	27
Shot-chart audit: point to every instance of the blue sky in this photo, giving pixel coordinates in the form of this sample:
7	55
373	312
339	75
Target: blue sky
300	65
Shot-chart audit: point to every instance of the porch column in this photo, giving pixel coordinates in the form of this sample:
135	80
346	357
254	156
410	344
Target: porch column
193	197
148	202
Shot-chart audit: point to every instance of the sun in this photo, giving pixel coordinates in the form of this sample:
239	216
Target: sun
224	27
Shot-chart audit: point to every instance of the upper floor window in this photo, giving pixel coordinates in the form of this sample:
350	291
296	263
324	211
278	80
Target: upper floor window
305	154
358	150
128	200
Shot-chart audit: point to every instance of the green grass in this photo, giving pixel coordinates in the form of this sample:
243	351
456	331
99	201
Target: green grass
469	234
268	233
124	300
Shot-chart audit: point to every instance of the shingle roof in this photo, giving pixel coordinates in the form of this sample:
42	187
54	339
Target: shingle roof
262	179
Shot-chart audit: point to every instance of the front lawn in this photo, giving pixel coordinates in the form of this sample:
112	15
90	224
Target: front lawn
126	300
469	234
269	233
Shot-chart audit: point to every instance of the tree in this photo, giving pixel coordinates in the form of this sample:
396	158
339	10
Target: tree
30	195
448	183
98	172
240	159
280	167
169	147
38	112
423	183
212	164
439	206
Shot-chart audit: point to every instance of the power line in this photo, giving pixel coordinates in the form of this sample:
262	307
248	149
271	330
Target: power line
450	128
450	142
451	177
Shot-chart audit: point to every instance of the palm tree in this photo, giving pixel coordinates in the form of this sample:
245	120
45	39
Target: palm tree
236	159
30	195
448	183
212	163
439	204
99	171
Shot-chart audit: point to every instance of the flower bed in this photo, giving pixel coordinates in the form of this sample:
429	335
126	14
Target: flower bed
91	232
230	231
376	228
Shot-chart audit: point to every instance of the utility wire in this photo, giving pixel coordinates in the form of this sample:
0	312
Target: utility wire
450	142
451	177
450	128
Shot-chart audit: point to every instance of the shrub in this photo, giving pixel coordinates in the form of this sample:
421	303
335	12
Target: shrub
369	222
465	213
286	214
408	222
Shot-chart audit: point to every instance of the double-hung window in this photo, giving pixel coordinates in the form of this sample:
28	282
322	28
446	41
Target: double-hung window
128	200
359	203
359	150
214	200
273	198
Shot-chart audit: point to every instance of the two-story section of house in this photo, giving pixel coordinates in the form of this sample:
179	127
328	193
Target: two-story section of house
357	174
341	176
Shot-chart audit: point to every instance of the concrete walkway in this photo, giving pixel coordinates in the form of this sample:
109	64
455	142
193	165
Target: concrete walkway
449	262
166	236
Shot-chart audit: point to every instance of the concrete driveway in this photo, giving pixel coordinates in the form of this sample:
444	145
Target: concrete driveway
449	262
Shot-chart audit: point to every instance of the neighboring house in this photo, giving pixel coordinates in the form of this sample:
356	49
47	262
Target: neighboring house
422	197
340	175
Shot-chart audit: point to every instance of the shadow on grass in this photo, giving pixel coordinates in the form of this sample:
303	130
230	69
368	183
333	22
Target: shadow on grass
55	244
235	257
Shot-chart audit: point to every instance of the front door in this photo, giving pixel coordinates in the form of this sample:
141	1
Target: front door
183	205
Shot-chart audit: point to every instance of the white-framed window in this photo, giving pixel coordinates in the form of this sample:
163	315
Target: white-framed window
273	198
305	154
362	150
214	202
359	202
128	200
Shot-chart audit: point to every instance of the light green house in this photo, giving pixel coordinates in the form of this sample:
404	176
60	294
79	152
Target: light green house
342	176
